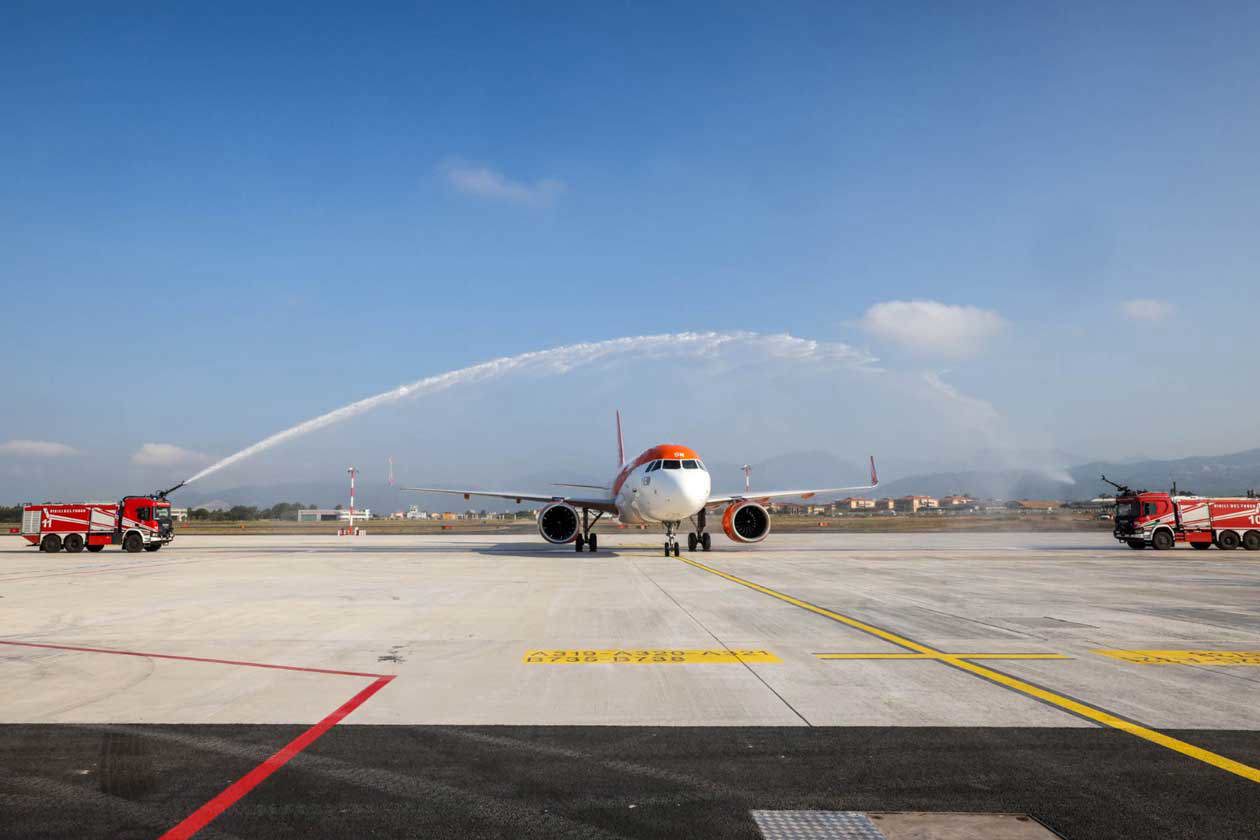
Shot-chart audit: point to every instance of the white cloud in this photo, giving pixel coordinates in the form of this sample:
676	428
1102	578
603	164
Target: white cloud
1146	309
928	326
36	449
166	455
484	182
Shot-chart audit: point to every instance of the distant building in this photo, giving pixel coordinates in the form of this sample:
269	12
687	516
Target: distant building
914	504
1043	505
884	504
957	502
853	503
325	515
179	514
414	512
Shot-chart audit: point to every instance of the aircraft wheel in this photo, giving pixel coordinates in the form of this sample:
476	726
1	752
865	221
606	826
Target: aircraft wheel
705	542
691	542
579	543
676	549
593	542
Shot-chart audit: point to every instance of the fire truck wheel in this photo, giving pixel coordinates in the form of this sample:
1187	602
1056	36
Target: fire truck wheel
133	542
50	543
1227	540
1162	540
152	546
73	543
95	548
1251	540
1201	545
1136	545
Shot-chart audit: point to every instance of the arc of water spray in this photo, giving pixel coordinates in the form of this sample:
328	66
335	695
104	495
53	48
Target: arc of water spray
565	358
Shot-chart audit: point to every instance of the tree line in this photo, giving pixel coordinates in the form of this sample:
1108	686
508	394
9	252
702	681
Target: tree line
238	513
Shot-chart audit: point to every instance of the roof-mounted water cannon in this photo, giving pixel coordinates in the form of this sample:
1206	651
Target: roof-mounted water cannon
1121	489
162	494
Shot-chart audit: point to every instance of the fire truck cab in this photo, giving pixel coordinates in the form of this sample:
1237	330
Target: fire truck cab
136	523
1161	520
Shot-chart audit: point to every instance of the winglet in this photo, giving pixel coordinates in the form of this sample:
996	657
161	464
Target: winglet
621	446
874	476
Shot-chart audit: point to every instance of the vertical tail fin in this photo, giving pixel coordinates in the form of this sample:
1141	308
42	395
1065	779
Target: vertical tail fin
621	446
874	476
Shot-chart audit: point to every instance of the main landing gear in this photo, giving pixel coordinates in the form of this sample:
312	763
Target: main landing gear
698	537
586	538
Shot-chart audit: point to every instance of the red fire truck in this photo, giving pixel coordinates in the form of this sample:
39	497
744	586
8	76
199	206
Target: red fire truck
1161	520
135	523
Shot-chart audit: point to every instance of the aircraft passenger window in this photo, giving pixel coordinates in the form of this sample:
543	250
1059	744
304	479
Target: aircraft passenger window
670	465
689	465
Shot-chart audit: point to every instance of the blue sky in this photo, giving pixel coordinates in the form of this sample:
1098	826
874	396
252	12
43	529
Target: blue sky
225	221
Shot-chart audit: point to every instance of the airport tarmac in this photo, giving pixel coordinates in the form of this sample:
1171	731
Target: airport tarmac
489	686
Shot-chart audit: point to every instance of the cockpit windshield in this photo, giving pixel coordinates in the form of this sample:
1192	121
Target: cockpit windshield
690	465
670	465
653	467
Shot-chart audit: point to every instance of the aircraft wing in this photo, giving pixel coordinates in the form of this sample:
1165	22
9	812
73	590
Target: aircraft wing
753	496
603	503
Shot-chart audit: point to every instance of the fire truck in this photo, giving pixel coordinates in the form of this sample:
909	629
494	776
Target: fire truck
135	523
1161	520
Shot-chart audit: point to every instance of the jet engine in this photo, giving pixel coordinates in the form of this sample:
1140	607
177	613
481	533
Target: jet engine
558	523
746	522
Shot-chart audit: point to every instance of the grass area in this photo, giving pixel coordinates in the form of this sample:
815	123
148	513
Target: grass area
907	523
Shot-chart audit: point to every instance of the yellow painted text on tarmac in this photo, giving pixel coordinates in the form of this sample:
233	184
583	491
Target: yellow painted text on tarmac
645	656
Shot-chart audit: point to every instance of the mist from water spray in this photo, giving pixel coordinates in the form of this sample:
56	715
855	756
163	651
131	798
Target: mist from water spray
560	360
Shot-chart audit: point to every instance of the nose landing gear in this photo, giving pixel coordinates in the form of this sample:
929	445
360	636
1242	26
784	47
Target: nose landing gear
671	542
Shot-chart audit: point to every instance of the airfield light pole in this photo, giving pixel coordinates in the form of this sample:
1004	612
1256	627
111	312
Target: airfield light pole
351	471
747	468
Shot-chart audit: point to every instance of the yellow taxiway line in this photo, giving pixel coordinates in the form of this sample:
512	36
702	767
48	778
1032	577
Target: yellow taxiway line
941	656
1076	707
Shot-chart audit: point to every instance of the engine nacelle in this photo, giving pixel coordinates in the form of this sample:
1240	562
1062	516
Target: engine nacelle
559	523
746	522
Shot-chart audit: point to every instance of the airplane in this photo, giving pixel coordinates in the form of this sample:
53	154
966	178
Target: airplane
665	485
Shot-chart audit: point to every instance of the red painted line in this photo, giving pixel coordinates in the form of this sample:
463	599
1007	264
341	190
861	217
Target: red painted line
207	813
193	659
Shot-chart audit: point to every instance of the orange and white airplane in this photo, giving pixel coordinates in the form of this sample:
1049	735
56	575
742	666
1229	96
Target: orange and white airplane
666	484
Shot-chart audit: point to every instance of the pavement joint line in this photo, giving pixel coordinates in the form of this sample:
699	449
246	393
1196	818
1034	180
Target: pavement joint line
706	629
233	793
1044	695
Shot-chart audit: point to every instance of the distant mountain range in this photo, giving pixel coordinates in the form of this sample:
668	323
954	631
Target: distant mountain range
1216	475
